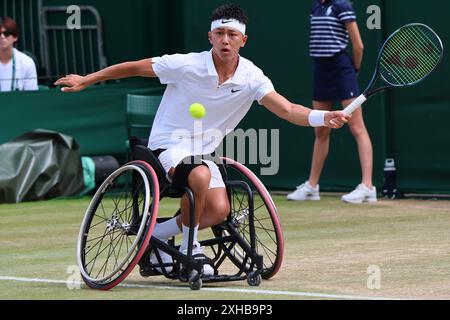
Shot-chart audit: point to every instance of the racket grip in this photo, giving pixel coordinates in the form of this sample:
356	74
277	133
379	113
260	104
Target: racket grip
355	104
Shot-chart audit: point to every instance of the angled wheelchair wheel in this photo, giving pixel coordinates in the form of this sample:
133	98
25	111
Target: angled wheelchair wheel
269	241
117	226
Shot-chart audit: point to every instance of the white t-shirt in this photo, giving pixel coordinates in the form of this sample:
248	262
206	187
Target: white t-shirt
192	78
25	77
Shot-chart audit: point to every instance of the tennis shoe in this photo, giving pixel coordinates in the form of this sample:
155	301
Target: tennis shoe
305	192
361	194
197	254
167	261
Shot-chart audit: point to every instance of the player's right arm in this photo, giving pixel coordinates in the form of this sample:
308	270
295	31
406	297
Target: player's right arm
298	114
75	83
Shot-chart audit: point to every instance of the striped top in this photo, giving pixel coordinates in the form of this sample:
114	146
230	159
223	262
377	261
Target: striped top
329	34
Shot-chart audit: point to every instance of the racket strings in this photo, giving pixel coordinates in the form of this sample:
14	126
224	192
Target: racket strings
409	69
392	63
423	62
410	55
419	64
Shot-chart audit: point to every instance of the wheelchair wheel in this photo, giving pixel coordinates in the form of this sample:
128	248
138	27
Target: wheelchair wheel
269	241
117	226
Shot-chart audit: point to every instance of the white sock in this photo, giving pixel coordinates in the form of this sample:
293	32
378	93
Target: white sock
185	242
166	230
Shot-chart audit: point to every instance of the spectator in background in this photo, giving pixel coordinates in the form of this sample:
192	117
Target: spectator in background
333	24
17	70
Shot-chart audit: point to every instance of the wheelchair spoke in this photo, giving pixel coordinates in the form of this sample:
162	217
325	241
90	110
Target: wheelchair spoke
269	252
99	241
267	232
100	222
129	205
114	226
103	210
261	206
108	256
94	259
116	256
111	252
240	198
96	255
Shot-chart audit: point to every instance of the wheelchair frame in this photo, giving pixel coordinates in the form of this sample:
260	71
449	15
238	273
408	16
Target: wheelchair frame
235	238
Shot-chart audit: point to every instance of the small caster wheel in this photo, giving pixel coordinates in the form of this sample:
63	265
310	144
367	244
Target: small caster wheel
254	279
195	280
196	285
145	271
145	267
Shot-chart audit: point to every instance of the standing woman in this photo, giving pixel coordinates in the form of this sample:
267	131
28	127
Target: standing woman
333	24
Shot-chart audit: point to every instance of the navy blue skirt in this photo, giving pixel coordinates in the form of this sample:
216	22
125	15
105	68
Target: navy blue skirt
335	78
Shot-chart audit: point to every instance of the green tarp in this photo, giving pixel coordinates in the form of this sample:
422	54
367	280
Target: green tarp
39	165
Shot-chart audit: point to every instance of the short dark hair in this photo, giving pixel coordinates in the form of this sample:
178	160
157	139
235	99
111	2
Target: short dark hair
229	11
9	24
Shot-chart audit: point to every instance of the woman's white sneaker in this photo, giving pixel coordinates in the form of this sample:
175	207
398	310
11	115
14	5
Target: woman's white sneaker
361	194
305	192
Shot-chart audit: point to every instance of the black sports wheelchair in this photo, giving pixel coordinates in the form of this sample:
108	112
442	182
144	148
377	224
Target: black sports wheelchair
116	232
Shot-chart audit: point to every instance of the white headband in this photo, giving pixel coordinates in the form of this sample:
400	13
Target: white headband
228	23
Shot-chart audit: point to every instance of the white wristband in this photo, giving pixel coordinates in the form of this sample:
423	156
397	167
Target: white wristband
317	118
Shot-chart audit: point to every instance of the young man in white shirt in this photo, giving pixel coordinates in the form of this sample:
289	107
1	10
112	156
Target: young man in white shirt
17	70
227	84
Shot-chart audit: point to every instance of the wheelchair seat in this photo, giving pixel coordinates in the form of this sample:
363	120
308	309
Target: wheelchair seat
143	153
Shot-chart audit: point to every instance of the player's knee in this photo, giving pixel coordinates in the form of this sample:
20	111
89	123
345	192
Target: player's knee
199	178
222	208
219	210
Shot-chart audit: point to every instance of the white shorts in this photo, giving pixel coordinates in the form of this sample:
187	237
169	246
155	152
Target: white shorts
171	158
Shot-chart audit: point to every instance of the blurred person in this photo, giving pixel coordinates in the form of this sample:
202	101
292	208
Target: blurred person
17	70
333	23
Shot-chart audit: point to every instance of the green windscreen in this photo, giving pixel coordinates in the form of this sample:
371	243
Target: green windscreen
410	55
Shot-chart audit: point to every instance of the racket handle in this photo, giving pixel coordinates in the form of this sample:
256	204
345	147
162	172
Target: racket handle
355	104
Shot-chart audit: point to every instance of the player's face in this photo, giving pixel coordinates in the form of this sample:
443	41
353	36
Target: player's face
227	43
6	39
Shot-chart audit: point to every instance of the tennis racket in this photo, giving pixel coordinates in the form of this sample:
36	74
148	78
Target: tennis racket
407	57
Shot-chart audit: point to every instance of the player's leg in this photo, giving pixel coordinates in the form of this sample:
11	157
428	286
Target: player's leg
216	204
310	189
365	191
198	179
217	208
198	182
214	209
211	206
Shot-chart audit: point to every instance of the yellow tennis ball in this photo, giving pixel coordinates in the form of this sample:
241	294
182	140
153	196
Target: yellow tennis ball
197	110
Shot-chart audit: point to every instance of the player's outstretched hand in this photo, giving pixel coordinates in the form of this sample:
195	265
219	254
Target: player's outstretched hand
71	83
336	119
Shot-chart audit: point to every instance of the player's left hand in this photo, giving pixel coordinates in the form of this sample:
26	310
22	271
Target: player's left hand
336	119
71	83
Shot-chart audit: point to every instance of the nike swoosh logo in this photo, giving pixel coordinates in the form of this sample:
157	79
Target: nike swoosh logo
226	21
234	91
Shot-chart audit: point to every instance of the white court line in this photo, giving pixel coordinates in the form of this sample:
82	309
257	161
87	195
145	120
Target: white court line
266	292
